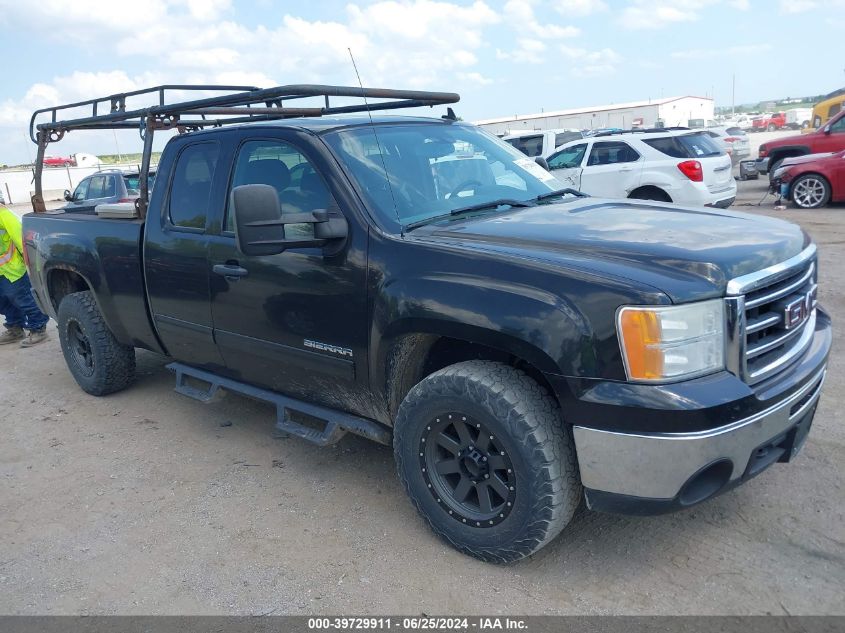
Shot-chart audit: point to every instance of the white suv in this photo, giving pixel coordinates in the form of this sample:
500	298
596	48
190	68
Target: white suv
682	166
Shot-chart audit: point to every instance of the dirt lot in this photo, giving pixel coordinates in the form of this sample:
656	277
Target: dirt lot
147	502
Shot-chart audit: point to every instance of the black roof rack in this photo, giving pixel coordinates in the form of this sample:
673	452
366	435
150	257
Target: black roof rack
238	104
642	130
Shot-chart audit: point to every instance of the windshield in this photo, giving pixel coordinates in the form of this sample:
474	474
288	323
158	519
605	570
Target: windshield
434	169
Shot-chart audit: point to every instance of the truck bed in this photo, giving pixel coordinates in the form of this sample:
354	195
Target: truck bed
107	254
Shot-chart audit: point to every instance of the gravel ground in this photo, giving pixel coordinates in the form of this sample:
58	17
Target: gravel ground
146	502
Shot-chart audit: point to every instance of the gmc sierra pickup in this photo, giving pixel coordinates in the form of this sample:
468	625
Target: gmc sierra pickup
420	282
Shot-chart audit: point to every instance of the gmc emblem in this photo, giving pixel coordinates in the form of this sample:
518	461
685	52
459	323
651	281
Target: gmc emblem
797	311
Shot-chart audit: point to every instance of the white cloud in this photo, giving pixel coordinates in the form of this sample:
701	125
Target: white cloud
519	14
528	51
710	53
578	8
475	78
647	14
587	63
797	6
742	5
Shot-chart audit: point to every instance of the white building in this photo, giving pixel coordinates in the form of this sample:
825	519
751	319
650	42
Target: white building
670	112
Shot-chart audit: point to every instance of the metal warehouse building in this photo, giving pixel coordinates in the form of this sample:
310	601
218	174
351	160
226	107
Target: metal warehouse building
672	111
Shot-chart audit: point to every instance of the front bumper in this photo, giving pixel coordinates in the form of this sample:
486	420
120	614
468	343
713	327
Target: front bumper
652	471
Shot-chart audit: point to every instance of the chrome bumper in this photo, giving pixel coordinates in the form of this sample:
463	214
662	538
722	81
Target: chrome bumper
656	466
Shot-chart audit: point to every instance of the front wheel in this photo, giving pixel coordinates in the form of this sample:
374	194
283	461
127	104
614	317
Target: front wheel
810	191
483	453
98	361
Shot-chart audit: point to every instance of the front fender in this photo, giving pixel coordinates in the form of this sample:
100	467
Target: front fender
545	330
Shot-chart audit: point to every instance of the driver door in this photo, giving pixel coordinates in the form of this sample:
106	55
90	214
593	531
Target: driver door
294	322
566	165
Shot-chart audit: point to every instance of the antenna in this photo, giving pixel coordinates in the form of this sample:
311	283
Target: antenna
378	144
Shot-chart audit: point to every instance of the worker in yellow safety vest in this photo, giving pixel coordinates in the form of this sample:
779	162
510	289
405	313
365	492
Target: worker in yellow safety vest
24	321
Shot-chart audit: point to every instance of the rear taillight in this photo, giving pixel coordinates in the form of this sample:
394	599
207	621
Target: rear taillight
763	152
731	139
127	200
692	170
28	238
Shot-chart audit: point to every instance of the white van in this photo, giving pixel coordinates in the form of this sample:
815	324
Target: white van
543	143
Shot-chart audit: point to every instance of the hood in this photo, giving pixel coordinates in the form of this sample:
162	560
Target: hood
807	158
688	253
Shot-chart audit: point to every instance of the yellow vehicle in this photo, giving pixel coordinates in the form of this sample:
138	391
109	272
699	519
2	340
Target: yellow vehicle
824	110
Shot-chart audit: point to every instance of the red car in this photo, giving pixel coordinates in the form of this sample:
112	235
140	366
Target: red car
812	181
828	138
771	122
59	161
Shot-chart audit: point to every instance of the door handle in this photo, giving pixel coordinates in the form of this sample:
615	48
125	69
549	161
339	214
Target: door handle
626	169
232	272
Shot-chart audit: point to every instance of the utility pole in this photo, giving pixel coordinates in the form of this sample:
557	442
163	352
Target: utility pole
733	95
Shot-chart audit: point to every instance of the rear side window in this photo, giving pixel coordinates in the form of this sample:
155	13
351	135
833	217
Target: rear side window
529	145
564	137
191	189
611	152
834	110
736	131
686	146
100	187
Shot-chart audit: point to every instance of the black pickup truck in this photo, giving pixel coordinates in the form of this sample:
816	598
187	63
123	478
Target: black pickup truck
421	283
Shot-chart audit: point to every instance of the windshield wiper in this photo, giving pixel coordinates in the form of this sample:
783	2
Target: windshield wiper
493	204
561	192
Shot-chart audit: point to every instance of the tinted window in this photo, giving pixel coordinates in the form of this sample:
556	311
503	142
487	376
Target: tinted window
564	137
838	127
96	188
528	145
569	157
611	152
687	146
191	188
834	110
736	131
301	189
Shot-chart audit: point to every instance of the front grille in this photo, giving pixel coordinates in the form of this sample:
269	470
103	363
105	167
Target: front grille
775	316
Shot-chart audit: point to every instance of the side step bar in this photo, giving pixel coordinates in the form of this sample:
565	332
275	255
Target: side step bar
337	423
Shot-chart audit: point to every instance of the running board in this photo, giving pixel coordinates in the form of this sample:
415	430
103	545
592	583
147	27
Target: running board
337	423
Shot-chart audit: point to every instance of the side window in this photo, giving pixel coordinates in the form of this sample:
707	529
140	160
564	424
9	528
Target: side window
81	191
834	110
568	158
274	163
96	188
109	189
191	189
610	153
564	137
838	127
529	145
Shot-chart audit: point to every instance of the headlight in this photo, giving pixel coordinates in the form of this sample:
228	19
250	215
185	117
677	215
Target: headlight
662	343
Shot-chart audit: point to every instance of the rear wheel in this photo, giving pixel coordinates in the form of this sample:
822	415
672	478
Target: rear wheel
810	191
483	453
771	127
99	363
650	193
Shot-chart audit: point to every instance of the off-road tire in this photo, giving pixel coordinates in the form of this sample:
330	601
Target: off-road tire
527	423
112	364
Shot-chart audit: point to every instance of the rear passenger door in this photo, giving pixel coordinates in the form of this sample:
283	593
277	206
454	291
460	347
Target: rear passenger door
175	253
613	170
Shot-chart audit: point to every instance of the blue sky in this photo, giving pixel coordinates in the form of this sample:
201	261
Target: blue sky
503	57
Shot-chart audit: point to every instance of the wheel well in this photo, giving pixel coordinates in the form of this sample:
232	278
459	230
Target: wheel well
650	190
419	355
61	283
787	153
